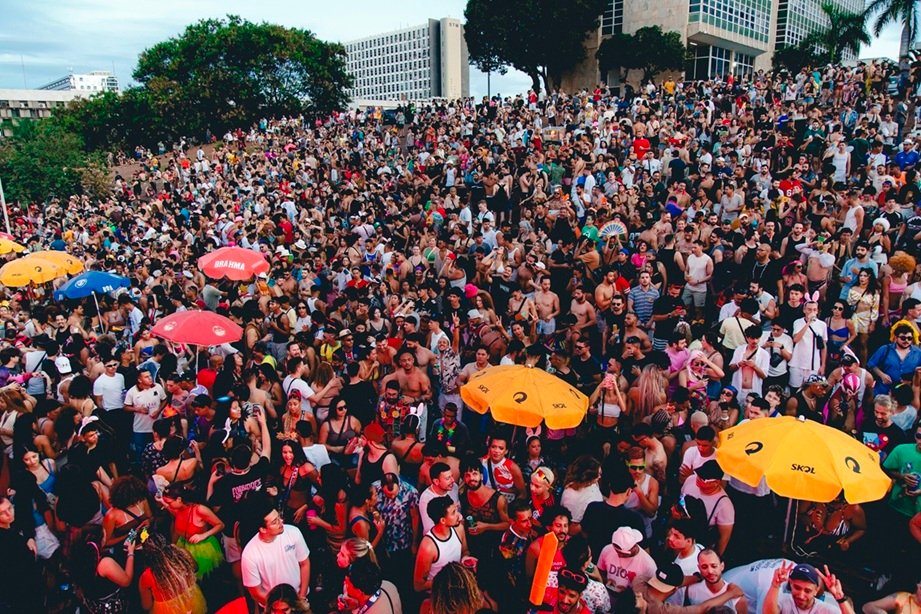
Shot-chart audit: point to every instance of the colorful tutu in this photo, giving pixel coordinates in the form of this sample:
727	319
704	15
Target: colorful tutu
207	554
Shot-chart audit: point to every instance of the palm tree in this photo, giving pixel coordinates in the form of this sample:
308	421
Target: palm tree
904	12
846	32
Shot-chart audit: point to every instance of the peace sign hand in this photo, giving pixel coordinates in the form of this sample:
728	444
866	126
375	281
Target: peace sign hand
781	574
832	583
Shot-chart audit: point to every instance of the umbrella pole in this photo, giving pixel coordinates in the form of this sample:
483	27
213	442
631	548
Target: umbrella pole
98	313
786	525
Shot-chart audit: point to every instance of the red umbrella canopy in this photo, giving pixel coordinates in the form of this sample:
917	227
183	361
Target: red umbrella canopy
234	263
197	328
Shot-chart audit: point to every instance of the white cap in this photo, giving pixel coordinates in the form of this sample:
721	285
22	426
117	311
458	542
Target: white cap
62	364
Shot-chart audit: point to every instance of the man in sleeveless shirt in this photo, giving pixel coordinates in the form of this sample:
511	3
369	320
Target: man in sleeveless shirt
444	543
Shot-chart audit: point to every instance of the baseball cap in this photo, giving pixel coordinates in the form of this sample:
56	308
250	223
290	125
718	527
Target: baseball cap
625	538
62	364
474	313
710	470
668	578
805	571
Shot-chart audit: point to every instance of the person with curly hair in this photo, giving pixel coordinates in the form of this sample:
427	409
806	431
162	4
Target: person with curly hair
454	590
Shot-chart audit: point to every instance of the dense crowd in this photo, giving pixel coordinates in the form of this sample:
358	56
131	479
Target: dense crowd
689	255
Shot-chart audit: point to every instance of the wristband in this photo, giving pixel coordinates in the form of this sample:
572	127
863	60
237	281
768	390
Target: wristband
842	600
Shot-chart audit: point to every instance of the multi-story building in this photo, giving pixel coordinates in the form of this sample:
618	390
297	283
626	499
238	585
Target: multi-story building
798	18
417	63
723	36
95	81
18	105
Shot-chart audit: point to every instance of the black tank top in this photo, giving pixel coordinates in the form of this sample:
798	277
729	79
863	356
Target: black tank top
666	256
372	472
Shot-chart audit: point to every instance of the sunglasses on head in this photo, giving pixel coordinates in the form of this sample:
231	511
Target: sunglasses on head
572	576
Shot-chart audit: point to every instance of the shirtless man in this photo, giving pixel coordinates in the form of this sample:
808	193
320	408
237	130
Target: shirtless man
548	308
424	356
632	329
433	452
819	263
480	363
583	311
258	396
414	383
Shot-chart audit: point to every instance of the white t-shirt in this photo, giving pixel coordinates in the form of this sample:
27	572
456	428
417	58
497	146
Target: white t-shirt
754	579
806	353
620	572
268	564
151	399
698	593
111	389
693	459
720	511
577	500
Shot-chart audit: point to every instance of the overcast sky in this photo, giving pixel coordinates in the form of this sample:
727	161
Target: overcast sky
41	41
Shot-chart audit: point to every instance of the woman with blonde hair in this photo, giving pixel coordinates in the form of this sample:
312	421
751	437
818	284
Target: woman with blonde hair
353	549
454	590
648	392
168	585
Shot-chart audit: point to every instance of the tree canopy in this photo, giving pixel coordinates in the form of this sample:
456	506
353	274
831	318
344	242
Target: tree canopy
43	159
650	49
218	74
222	73
542	39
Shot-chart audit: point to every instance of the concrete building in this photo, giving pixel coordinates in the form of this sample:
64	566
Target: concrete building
95	81
797	18
722	36
417	63
17	105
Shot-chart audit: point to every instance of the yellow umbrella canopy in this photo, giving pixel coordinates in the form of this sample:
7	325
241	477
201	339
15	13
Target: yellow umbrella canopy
25	271
7	246
70	264
525	396
802	459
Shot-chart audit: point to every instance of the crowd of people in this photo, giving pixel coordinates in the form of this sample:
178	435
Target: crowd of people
689	255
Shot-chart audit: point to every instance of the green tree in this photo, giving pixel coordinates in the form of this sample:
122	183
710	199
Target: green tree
846	32
227	72
43	159
540	38
657	51
794	58
906	13
618	52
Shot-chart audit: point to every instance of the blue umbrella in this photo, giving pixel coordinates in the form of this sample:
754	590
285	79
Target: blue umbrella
90	283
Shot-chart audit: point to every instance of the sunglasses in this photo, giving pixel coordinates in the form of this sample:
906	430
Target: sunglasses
918	435
636	467
905	337
579	579
837	308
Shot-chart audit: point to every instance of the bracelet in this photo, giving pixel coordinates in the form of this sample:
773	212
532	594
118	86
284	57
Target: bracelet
842	600
131	554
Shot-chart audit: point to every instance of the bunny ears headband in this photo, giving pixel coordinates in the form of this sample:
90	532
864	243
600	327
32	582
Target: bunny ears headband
812	298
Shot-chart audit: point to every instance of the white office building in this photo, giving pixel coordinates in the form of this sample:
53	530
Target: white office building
417	63
95	81
17	105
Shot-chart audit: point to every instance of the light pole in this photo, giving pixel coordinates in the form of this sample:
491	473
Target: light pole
6	214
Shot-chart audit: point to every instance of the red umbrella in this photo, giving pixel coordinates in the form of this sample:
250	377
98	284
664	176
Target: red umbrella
234	263
197	328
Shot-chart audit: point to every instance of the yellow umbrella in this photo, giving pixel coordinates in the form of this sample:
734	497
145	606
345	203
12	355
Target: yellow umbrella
525	396
7	246
802	459
70	264
25	271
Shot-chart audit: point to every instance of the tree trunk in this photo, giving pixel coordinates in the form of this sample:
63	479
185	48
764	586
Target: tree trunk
535	82
546	77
